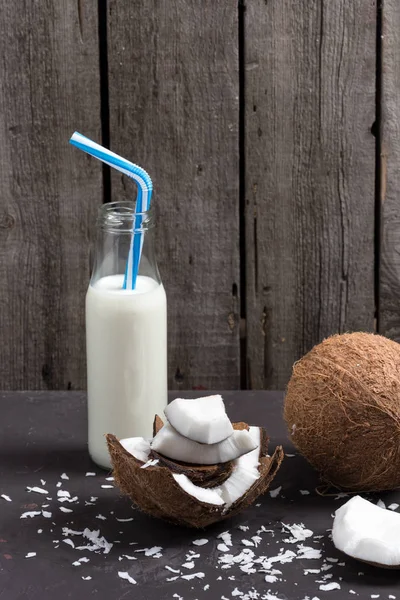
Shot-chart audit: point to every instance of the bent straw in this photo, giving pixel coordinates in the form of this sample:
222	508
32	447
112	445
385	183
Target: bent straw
145	189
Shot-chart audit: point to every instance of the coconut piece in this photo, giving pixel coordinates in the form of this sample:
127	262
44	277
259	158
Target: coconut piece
202	420
156	491
138	447
245	471
212	496
172	444
367	532
206	475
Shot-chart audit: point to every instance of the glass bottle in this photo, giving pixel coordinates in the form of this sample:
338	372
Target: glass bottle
126	333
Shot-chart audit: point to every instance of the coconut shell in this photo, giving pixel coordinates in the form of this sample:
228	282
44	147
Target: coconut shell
202	475
155	491
342	409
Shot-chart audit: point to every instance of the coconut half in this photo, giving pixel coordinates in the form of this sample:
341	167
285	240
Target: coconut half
202	420
368	532
173	445
174	497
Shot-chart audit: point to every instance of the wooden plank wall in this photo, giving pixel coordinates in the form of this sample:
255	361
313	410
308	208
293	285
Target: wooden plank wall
310	161
49	86
255	123
389	297
174	107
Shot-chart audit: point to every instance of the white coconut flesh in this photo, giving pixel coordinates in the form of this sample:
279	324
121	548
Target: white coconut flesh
172	444
138	447
245	473
209	496
367	532
202	420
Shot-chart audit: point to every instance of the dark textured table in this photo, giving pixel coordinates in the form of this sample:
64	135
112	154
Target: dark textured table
43	441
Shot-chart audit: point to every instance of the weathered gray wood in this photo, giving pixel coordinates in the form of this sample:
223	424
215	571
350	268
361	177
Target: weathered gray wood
389	303
49	86
310	105
173	69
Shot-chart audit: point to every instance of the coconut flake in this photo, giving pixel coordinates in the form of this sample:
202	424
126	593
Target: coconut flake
208	496
202	420
37	490
298	531
150	463
30	513
226	537
365	531
200	542
90	474
124	520
308	552
64	476
6	498
30	555
173	445
171	569
274	493
327	587
304	492
87	578
65	510
125	575
46	514
193	576
393	506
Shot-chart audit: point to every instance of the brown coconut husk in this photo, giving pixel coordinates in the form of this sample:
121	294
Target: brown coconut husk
155	491
342	409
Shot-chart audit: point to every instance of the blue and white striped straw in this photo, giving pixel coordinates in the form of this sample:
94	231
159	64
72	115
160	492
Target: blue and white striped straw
143	199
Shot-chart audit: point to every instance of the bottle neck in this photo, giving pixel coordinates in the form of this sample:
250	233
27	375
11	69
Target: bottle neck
117	226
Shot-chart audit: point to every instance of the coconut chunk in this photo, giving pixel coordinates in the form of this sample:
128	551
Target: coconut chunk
202	420
172	444
245	471
211	496
367	532
138	447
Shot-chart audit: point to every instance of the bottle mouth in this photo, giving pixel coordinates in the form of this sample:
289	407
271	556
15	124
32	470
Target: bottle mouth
120	216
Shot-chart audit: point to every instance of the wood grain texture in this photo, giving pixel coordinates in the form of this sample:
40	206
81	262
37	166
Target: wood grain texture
173	69
310	158
389	302
49	86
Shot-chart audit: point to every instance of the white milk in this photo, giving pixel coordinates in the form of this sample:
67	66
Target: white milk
126	343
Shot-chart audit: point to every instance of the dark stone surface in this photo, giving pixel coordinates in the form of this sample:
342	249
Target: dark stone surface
43	435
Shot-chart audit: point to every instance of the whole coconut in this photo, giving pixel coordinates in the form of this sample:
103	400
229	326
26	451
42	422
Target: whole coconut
342	409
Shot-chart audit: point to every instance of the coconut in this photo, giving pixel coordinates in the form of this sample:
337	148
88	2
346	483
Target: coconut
163	493
368	533
202	420
342	409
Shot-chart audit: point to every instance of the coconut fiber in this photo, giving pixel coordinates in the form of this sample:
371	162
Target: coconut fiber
342	409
